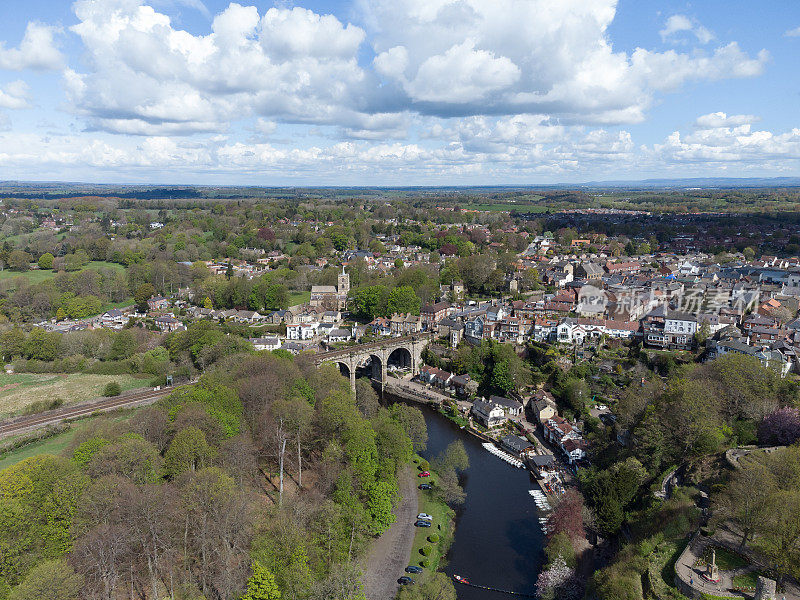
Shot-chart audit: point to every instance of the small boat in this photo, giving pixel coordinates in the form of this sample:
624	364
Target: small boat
461	579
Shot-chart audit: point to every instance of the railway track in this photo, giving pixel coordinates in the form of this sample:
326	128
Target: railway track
66	413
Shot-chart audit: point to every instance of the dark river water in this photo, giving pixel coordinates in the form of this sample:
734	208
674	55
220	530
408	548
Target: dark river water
498	542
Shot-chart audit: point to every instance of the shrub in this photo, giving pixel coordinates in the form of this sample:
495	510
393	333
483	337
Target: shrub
433	538
112	389
84	453
426	550
425	563
424	465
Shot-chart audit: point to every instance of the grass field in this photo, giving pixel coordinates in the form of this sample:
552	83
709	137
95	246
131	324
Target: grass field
51	445
40	275
55	444
20	390
442	526
296	298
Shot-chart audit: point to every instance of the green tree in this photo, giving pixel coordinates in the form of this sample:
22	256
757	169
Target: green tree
188	451
39	497
413	421
560	546
46	261
501	377
112	388
12	343
42	345
380	499
86	450
50	580
142	294
370	302
436	587
132	457
123	346
19	260
207	303
403	299
261	585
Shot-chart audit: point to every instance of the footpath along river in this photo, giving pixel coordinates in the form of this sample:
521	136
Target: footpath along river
498	542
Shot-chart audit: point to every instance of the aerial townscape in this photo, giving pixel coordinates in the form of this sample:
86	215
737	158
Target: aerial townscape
399	300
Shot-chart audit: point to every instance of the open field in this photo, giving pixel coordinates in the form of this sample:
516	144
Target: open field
20	390
296	298
39	275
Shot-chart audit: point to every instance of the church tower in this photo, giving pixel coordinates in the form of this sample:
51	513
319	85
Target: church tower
344	283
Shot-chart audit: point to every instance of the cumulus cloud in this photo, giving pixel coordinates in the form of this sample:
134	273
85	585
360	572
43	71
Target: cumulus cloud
15	95
469	57
37	50
793	32
292	64
442	57
681	24
725	140
721	119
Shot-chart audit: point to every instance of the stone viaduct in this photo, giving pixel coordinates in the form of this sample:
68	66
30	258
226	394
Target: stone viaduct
375	358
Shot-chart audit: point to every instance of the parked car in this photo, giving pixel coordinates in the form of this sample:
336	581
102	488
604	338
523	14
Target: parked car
421	523
405	580
425	486
424	474
424	517
413	569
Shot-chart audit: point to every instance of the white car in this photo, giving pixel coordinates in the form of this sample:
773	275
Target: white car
424	517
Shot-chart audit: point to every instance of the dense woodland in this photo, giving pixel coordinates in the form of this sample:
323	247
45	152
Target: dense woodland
266	473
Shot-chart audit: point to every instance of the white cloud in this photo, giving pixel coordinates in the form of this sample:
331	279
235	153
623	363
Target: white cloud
678	24
727	141
721	119
793	32
289	64
265	127
470	57
462	74
37	50
15	95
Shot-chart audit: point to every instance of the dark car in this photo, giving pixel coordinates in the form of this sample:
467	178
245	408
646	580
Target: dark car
422	523
425	486
413	569
405	580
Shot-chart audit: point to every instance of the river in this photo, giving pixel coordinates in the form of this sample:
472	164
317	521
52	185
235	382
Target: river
498	542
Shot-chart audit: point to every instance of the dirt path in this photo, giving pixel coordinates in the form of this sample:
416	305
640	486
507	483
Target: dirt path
390	553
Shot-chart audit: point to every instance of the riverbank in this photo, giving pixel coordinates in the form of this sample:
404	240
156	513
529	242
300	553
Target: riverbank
434	540
388	556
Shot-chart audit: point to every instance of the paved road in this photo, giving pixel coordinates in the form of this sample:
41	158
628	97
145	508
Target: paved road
390	553
52	417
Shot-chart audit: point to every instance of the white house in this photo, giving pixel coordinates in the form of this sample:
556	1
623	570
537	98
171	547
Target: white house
339	335
301	331
266	343
114	319
488	413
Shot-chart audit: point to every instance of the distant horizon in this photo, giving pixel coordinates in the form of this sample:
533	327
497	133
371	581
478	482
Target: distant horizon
649	183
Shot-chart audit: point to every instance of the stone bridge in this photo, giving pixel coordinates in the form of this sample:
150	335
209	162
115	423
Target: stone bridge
374	358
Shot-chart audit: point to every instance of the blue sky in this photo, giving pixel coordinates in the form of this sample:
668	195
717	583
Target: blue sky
397	92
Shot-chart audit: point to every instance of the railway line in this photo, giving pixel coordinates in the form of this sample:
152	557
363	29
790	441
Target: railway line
26	423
